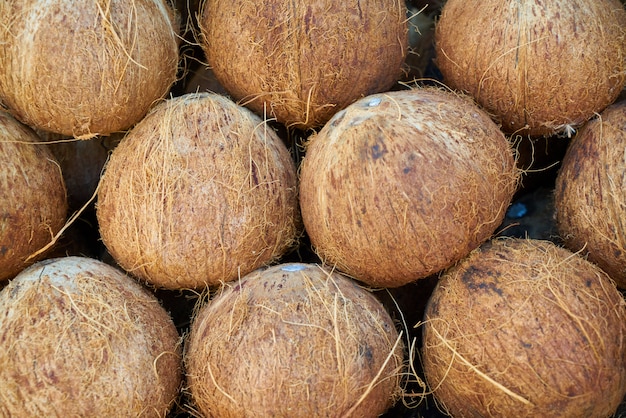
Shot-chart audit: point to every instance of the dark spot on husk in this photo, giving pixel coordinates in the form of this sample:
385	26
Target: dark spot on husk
378	151
366	352
472	277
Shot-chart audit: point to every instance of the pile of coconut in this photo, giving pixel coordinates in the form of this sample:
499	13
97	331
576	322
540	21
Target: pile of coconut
299	209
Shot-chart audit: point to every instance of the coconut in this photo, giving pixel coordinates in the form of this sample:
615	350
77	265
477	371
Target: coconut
525	328
294	340
302	61
590	193
539	67
200	192
80	338
85	67
33	200
401	185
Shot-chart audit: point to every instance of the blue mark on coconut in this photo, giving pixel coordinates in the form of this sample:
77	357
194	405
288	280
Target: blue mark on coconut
373	102
293	267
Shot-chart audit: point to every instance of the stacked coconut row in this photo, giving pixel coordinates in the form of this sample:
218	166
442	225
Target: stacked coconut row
397	184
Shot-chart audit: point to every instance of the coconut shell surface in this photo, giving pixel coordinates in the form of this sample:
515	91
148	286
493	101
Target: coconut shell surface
524	328
80	338
302	61
401	185
86	67
293	340
590	193
33	200
539	67
200	192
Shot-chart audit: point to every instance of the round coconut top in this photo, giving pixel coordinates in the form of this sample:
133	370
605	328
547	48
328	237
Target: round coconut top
33	199
200	192
401	185
302	61
590	193
293	340
539	67
85	67
524	328
80	338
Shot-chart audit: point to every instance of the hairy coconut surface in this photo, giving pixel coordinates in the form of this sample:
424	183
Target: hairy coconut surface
539	67
85	67
293	340
302	61
590	193
33	200
400	185
525	328
80	338
200	192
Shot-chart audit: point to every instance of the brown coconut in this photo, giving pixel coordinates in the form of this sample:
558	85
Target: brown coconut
200	192
293	340
80	338
33	200
400	185
524	328
85	67
540	67
302	61
590	193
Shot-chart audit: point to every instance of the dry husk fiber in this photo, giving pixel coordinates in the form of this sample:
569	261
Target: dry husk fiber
85	67
525	328
400	185
293	340
200	192
33	200
80	338
302	61
540	67
590	193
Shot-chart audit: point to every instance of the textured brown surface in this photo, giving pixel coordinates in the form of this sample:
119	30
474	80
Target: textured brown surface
401	185
302	61
539	67
590	194
525	328
200	192
82	68
33	201
293	340
80	338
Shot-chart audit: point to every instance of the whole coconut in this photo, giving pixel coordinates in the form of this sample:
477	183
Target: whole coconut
302	61
85	67
401	185
293	340
524	328
200	192
590	193
80	338
33	200
540	67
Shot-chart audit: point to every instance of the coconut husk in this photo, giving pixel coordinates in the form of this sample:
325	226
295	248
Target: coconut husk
80	338
82	68
293	340
539	67
33	200
300	61
401	185
525	328
590	193
200	192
